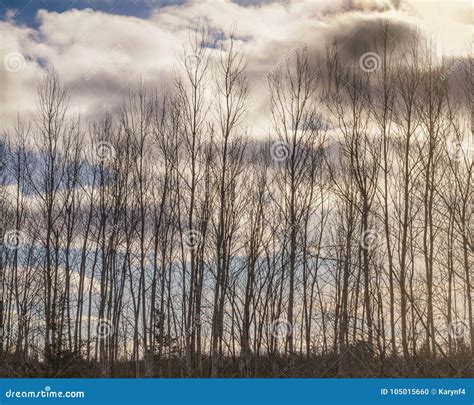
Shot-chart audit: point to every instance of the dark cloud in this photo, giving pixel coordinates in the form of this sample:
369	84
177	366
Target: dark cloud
360	34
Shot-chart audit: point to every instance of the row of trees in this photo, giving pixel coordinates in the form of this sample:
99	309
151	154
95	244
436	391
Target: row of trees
165	239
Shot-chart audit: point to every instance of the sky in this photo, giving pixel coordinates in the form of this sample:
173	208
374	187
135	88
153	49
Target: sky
26	10
100	48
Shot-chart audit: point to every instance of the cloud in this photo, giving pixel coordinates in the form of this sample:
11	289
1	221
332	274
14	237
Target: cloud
19	69
99	56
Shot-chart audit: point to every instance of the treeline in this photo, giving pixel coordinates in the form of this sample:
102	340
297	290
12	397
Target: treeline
163	240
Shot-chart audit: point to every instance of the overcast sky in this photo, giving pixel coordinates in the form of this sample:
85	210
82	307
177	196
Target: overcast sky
100	47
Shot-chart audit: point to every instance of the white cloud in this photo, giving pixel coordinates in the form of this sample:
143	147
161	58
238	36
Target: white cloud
99	55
